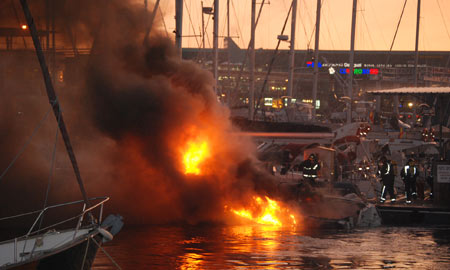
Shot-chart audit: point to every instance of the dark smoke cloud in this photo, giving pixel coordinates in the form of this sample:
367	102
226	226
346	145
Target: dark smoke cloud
133	111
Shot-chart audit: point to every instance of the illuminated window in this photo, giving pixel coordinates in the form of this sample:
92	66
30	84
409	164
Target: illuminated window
268	101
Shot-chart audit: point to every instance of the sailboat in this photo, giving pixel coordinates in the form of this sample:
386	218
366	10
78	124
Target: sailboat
71	243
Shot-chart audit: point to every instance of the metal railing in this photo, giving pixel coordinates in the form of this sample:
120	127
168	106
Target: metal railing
80	218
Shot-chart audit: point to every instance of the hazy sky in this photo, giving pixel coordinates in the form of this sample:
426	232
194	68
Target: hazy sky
375	25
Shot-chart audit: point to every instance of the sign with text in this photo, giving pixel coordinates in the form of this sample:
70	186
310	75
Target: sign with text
443	173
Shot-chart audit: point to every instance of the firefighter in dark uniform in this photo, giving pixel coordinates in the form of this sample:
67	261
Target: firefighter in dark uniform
386	172
310	168
409	175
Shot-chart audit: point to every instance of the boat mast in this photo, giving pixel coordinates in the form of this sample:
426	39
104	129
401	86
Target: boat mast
53	99
228	53
290	85
152	18
416	62
251	103
178	25
316	59
216	46
352	54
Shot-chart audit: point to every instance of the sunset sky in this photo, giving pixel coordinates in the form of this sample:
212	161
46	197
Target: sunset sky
375	25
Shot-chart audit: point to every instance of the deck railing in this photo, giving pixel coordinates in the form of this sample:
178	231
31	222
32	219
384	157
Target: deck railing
80	218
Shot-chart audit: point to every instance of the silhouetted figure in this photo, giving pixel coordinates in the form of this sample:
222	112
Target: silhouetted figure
386	172
409	175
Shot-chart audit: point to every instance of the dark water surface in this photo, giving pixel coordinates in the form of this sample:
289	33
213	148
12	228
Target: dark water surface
256	247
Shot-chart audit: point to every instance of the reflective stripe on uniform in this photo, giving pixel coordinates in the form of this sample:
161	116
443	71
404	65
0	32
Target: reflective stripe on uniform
382	193
388	169
407	168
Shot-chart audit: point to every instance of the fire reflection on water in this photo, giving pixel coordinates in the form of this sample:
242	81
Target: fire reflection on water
191	261
272	247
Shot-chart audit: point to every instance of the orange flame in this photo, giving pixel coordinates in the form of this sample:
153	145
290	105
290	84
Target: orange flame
267	212
196	153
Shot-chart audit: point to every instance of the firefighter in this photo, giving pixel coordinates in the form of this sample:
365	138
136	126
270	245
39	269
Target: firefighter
310	168
409	175
386	172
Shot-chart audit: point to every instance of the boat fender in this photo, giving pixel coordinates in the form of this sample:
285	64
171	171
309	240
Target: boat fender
107	236
113	223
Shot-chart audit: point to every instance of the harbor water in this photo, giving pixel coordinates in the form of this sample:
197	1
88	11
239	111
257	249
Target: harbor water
259	247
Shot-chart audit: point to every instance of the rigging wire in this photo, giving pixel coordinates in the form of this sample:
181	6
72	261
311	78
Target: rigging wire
192	24
378	24
269	70
311	22
238	24
396	30
303	24
248	48
107	254
443	19
368	30
52	165
27	142
326	23
334	25
164	21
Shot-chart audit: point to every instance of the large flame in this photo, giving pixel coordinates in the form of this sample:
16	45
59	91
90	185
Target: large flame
195	154
267	212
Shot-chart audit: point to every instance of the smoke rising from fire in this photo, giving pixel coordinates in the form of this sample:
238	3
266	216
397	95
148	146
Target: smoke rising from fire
132	113
152	103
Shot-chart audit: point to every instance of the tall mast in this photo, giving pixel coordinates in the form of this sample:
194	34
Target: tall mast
416	62
216	45
316	59
352	54
152	18
203	29
53	99
228	53
292	50
178	25
251	103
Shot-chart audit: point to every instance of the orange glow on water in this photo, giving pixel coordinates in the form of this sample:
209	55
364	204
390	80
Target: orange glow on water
195	154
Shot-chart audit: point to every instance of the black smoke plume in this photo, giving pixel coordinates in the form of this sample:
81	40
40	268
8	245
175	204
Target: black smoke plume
132	111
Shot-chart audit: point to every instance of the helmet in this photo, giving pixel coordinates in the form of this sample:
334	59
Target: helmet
383	159
312	156
411	160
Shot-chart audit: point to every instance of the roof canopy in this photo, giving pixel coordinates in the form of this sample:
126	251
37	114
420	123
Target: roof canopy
412	90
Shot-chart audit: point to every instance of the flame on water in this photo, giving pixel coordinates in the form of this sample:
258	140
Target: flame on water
267	212
195	154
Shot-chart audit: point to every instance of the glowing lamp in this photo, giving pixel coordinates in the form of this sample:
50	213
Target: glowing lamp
24	27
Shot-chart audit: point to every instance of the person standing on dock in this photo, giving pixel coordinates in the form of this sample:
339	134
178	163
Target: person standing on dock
310	168
386	172
409	175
